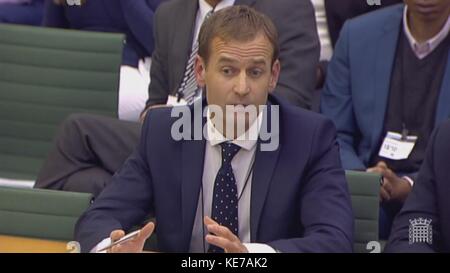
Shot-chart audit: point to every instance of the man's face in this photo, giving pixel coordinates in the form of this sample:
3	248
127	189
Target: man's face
238	74
429	9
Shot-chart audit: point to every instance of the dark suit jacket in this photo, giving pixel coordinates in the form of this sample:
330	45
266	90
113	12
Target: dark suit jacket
429	199
299	196
133	18
298	40
337	12
357	88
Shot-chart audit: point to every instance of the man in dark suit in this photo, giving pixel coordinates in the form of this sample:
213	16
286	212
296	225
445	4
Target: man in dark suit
193	185
387	66
428	205
83	161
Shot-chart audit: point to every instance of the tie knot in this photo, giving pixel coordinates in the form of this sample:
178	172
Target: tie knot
229	150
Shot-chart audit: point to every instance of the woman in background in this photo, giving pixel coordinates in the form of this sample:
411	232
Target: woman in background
135	20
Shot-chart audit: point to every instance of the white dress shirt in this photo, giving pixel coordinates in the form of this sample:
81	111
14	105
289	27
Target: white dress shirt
242	165
424	49
326	49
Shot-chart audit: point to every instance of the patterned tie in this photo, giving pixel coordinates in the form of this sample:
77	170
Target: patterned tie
189	89
225	198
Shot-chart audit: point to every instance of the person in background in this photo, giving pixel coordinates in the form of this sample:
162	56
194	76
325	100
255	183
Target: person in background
423	224
387	88
330	17
135	20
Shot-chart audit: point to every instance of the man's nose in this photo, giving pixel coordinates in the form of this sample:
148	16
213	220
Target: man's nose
242	86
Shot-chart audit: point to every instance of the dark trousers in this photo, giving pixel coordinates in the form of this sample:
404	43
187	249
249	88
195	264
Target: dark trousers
388	211
88	150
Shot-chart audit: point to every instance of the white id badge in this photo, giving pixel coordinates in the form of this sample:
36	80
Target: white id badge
395	148
173	101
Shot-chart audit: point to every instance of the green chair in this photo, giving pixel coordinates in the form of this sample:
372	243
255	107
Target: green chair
45	75
43	214
364	189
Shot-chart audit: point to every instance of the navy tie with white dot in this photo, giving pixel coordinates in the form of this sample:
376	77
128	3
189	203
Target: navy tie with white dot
225	199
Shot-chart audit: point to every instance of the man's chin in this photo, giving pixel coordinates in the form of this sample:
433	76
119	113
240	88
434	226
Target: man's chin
427	12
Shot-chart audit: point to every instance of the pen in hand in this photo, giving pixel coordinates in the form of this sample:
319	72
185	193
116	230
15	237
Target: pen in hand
132	242
124	239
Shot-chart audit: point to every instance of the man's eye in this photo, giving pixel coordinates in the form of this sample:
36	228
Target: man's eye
255	73
227	71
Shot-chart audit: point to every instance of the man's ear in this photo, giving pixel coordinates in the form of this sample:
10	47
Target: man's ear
199	69
275	74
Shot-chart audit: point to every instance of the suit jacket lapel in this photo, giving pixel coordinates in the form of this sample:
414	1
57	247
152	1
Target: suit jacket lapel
443	107
265	163
192	155
183	36
384	63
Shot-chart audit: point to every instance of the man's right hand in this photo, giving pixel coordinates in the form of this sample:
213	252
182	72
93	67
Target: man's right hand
134	245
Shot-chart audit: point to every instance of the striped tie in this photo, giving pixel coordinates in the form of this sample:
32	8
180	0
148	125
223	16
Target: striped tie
189	89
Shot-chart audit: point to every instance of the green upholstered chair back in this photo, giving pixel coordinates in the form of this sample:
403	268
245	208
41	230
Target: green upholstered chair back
44	214
45	75
364	189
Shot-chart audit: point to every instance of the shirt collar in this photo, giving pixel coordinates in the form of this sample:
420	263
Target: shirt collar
424	49
215	137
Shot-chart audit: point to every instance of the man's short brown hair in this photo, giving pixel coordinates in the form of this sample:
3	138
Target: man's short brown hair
236	23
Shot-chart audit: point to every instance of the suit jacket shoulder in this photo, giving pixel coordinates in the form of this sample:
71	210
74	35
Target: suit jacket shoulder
338	12
377	21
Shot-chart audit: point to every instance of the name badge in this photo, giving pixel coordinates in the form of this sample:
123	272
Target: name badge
396	148
173	101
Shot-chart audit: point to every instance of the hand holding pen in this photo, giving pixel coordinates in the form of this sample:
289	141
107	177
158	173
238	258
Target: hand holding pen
130	243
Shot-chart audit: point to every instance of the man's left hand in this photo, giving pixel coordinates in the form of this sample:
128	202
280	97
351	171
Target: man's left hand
222	237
